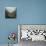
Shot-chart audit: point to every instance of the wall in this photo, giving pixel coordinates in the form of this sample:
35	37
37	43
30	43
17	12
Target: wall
28	12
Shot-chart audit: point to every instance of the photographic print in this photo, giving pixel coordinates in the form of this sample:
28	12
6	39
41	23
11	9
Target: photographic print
10	12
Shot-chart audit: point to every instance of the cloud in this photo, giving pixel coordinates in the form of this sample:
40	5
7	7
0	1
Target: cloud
10	9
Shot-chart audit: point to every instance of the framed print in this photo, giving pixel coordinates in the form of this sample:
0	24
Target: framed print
10	12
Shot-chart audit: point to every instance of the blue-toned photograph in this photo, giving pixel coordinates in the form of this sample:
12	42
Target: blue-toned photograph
21	22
